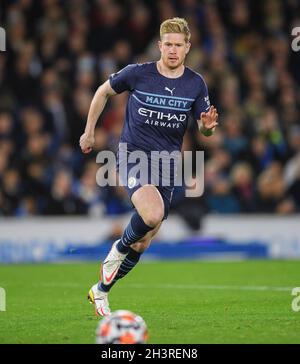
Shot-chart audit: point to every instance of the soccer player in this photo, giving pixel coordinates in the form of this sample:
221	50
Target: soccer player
162	95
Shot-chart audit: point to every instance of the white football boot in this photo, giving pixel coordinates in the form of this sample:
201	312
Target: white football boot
111	264
100	300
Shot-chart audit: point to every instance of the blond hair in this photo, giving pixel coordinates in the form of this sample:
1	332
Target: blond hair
175	25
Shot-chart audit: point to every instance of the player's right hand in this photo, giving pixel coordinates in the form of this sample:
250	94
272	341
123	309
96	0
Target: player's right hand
86	142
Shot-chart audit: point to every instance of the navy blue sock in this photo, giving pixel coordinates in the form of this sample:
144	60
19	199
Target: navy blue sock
135	230
127	265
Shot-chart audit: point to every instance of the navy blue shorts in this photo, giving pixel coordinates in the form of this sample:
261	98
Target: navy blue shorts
132	182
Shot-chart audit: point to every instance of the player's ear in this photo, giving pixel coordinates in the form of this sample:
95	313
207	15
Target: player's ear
187	48
159	44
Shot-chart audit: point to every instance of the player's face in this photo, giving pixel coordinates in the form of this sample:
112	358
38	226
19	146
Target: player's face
173	49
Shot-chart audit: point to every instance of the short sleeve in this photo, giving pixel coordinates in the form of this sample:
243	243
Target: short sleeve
124	80
202	103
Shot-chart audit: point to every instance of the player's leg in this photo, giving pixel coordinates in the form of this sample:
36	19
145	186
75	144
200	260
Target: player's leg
141	245
132	258
149	203
99	292
148	215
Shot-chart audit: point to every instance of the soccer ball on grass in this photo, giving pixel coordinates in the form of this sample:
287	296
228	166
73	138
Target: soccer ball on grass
122	327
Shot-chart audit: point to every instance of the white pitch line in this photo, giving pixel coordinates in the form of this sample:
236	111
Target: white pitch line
176	286
212	287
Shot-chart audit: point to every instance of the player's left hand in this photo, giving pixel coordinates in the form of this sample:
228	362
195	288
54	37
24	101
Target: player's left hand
209	119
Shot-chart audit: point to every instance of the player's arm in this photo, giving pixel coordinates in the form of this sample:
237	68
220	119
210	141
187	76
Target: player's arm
208	121
100	98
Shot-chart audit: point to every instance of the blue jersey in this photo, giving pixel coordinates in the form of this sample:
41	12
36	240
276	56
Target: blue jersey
158	107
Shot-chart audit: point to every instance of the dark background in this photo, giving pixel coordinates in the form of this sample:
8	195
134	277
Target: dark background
59	52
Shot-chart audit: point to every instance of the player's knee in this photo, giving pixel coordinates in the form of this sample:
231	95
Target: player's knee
153	218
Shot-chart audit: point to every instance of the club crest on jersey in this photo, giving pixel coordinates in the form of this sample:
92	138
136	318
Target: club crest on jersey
131	182
171	91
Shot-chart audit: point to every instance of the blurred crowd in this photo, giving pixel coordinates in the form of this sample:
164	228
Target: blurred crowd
59	52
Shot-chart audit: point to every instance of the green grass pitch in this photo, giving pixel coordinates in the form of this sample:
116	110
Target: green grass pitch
188	302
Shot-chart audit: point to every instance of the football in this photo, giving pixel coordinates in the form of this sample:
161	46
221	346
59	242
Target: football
122	327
